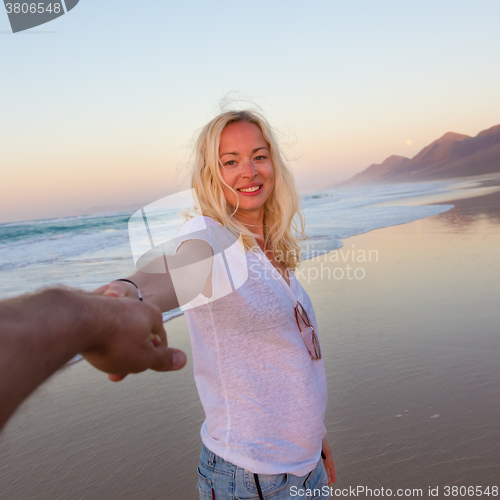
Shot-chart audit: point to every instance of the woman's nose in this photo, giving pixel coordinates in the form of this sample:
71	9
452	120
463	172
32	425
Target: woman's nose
248	168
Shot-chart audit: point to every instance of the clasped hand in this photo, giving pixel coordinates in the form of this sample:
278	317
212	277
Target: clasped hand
134	339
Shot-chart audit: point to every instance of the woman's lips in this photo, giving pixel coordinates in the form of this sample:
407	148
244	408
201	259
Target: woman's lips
251	193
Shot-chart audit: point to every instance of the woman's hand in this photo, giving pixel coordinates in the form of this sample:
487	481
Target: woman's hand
117	289
328	462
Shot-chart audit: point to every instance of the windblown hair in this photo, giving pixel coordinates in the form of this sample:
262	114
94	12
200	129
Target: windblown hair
283	217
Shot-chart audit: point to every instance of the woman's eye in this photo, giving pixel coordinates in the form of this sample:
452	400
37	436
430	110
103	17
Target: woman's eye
230	163
260	158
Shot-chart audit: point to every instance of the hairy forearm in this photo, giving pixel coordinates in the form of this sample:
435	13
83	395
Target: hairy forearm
38	334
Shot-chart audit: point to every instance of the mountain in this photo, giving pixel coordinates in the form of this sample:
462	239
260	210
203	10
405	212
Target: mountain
452	155
379	169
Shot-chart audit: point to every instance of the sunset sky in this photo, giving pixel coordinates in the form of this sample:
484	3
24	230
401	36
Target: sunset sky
99	107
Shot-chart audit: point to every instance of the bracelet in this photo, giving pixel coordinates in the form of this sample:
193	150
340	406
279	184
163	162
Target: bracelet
132	283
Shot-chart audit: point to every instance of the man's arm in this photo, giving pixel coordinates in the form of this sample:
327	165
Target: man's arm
39	333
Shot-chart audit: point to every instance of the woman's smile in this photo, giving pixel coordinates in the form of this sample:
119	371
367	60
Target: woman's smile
251	190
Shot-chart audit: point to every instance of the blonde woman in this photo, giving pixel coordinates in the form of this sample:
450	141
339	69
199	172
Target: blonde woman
256	354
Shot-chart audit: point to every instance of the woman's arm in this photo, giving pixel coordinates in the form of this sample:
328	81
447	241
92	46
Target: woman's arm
182	277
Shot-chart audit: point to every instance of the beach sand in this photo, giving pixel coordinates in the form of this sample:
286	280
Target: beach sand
411	348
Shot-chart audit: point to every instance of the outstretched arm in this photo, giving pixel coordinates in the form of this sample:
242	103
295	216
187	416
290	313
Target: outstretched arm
41	332
167	282
171	281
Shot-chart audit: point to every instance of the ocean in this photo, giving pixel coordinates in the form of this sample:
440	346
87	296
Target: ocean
88	251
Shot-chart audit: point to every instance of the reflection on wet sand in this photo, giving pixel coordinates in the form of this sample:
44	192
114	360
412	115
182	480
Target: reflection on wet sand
468	211
411	352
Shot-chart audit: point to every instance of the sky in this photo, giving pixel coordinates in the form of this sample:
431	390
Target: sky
100	107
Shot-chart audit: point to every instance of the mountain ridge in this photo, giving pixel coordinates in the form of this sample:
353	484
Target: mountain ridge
451	155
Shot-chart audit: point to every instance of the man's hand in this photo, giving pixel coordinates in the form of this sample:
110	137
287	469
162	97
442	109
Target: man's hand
40	332
130	337
328	462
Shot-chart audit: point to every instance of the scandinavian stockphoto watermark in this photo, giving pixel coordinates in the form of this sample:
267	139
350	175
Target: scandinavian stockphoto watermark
26	15
342	264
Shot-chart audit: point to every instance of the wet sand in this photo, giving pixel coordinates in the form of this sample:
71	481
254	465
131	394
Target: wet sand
417	337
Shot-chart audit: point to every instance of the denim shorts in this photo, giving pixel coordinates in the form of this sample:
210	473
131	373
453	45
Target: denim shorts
229	482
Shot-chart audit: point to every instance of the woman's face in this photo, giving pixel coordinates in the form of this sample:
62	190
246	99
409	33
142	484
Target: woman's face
246	167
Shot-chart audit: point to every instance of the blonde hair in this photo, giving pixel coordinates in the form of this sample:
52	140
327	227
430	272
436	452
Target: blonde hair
282	211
